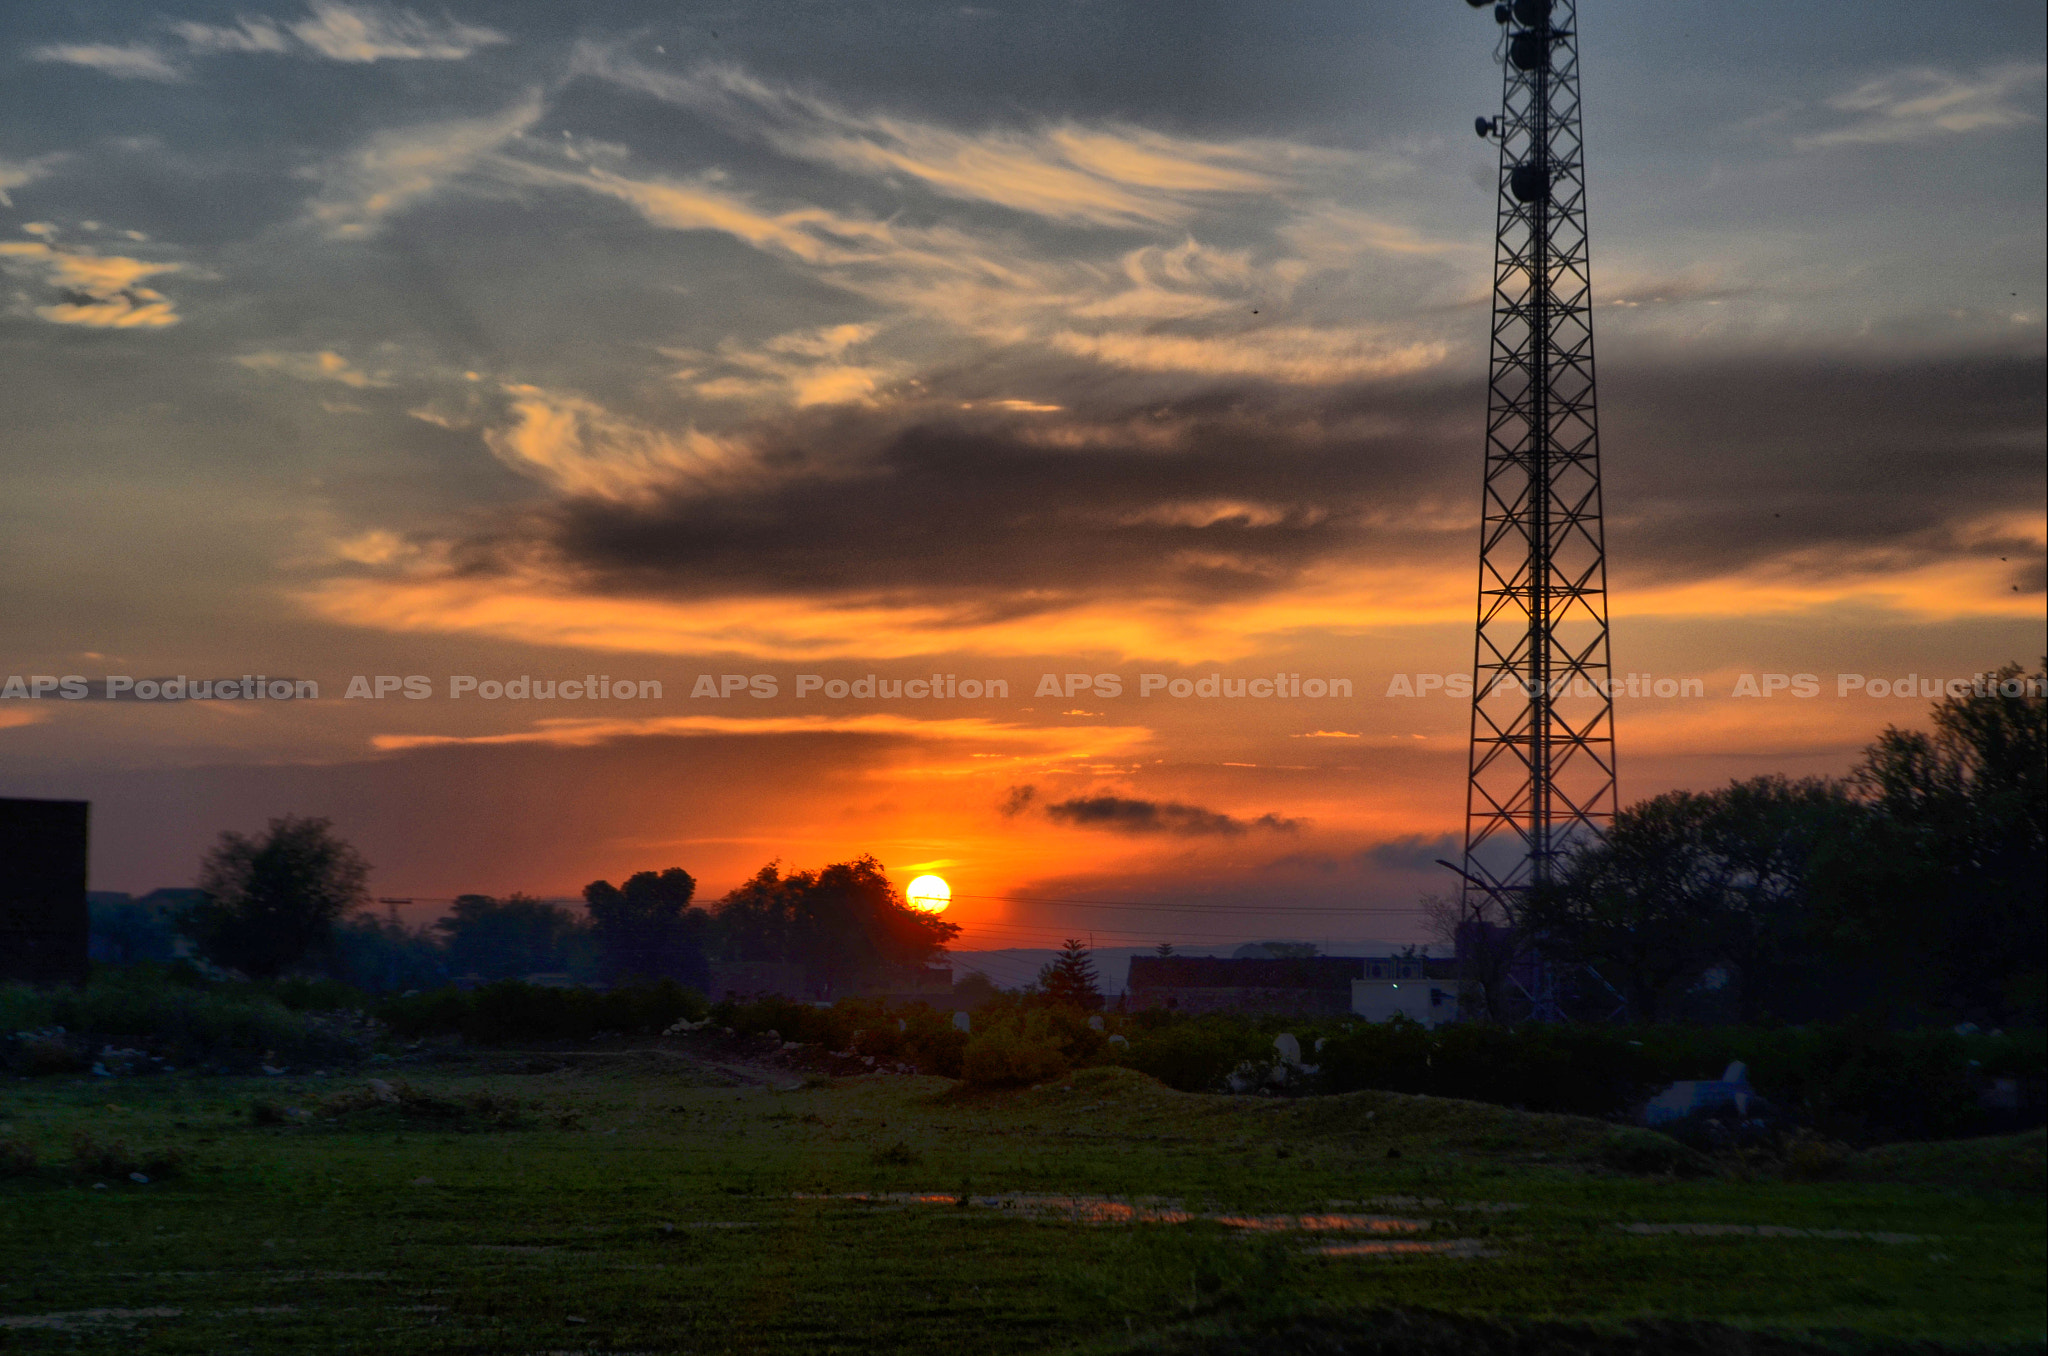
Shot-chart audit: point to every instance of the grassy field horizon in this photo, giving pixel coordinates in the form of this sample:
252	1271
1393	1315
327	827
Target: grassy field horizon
645	1200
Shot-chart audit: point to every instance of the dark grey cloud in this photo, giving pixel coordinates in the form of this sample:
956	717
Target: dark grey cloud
1122	814
1412	853
1235	492
1714	469
1244	500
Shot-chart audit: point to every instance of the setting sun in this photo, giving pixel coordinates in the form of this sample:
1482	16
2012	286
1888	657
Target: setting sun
929	894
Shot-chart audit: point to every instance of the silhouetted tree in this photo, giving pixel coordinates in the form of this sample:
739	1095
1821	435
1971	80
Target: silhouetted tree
383	955
1690	881
975	988
1069	980
845	924
507	938
1948	884
272	900
647	929
1487	946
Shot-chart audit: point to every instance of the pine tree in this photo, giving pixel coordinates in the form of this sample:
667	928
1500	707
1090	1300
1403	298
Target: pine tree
1069	981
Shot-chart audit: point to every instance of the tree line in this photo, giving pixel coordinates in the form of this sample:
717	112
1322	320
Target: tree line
1916	886
295	898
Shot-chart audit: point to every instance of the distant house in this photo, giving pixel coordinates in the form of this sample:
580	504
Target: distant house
756	979
1305	986
1415	987
930	984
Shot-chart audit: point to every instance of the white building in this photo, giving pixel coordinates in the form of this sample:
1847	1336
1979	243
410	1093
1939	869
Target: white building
1413	997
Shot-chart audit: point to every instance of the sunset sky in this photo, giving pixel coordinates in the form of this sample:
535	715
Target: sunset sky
996	341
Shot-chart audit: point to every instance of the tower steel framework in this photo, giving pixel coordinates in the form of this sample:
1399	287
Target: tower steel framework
1542	769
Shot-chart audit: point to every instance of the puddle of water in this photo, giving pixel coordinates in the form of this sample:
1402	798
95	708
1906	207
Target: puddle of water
1434	1203
1109	1210
1316	1224
1772	1231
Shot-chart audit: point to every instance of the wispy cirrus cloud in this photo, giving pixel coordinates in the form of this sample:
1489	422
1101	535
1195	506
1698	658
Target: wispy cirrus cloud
802	368
122	61
363	33
1922	102
331	30
398	168
1110	175
1181	307
1291	353
244	35
20	173
325	365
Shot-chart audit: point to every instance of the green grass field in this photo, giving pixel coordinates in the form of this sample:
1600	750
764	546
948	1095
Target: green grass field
641	1202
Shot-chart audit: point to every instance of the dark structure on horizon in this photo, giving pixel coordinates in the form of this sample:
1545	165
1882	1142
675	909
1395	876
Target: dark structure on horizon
1542	768
1293	986
44	927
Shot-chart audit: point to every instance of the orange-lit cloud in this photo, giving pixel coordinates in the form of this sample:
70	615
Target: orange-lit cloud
99	291
1292	353
325	365
1048	743
1107	174
802	369
537	611
578	447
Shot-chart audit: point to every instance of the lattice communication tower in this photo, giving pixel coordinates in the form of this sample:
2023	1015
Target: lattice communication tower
1542	772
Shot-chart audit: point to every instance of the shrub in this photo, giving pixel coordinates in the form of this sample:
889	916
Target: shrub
493	1110
1858	1084
17	1158
833	1027
113	1158
1587	1071
1194	1055
934	1044
1006	1058
913	1032
897	1155
508	1011
47	1052
1647	1152
161	1011
1813	1158
310	994
432	1012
